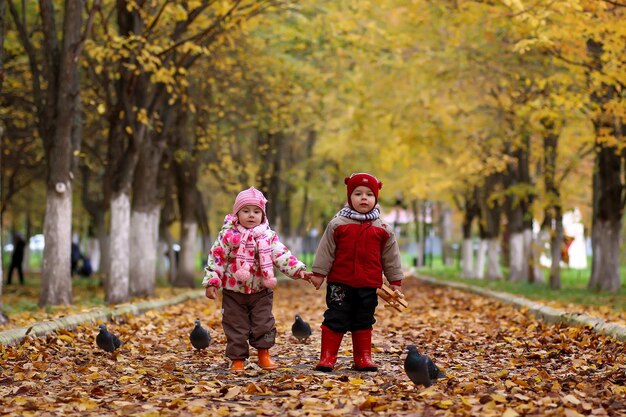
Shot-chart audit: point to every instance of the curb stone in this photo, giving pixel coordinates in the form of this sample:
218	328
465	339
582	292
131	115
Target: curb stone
543	312
14	336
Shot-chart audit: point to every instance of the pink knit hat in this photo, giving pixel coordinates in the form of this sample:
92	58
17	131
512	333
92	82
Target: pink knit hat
252	197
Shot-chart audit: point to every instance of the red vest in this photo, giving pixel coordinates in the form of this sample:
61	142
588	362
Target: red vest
358	255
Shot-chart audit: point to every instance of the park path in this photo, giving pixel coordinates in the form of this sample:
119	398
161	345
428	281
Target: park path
500	361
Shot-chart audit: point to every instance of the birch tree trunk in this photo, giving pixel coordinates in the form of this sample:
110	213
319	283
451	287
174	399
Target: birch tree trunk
144	239
117	284
146	213
518	264
493	259
188	252
467	259
56	280
481	259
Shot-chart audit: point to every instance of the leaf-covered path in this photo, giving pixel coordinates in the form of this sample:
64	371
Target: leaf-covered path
499	362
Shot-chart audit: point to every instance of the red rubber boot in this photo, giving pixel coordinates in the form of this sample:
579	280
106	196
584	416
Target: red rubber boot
330	346
362	350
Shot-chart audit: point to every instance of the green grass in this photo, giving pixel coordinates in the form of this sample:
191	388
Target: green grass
574	287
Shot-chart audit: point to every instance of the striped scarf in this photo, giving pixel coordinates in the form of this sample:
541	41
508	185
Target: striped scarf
253	241
346	211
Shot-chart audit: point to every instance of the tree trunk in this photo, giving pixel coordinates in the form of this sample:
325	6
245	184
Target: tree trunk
117	284
445	226
467	259
185	171
308	173
3	319
419	259
144	239
518	203
56	280
146	213
518	264
27	235
605	266
556	243
608	191
471	210
493	259
538	247
186	271
100	264
56	130
481	259
188	251
609	184
490	212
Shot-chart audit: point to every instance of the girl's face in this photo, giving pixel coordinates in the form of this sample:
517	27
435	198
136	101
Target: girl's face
363	199
250	216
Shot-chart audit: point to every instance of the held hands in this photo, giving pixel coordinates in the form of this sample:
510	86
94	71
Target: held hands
314	279
211	292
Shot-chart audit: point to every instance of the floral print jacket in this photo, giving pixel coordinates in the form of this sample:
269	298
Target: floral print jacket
221	261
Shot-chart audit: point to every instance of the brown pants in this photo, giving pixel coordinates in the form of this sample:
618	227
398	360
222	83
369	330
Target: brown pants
247	317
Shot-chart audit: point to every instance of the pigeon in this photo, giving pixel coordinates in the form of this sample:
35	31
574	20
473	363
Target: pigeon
301	329
420	368
107	341
199	337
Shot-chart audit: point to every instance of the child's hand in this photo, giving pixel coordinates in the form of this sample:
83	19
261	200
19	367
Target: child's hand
316	280
211	292
396	288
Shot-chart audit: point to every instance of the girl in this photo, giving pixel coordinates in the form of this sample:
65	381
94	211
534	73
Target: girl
241	262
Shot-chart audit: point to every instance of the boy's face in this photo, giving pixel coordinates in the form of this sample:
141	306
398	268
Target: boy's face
363	199
250	216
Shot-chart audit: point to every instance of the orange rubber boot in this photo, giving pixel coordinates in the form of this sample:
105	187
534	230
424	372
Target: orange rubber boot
237	365
265	361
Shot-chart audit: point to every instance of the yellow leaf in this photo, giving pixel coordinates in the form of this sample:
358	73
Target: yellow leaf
445	404
357	381
66	338
101	108
509	412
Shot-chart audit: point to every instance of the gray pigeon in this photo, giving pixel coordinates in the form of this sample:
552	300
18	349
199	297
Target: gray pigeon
301	329
420	368
107	341
200	337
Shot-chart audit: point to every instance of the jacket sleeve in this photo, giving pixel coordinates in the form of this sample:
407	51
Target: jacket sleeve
283	259
216	263
392	266
325	254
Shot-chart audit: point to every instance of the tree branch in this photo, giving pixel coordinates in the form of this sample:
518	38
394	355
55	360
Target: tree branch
584	150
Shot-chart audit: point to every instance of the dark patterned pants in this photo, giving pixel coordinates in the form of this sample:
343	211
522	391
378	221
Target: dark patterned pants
349	308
